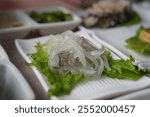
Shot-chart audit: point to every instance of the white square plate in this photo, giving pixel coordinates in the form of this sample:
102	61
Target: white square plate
102	88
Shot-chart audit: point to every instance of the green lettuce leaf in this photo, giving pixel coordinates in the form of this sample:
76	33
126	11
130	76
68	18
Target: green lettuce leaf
124	69
134	43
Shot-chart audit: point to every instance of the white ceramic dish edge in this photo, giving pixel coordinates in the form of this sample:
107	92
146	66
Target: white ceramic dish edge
138	95
28	94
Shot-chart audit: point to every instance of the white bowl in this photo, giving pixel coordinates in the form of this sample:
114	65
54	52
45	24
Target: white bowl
12	83
58	27
30	24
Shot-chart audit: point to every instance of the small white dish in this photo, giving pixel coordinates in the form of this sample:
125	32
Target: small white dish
30	24
138	95
19	31
53	28
12	84
102	88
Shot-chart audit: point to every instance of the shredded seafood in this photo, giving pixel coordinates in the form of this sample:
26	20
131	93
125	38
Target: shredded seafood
68	52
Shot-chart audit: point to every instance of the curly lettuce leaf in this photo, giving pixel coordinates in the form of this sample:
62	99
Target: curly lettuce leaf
60	85
124	69
135	44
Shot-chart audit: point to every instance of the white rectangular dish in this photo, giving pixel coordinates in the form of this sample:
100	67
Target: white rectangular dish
102	88
12	84
53	28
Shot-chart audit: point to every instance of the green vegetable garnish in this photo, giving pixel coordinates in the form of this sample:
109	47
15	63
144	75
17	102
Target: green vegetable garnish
124	69
134	18
60	84
51	17
134	43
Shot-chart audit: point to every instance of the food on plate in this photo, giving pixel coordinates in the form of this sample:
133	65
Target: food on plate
110	13
66	59
50	17
6	22
124	69
140	42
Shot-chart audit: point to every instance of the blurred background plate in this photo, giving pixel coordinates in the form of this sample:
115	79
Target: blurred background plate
54	27
118	37
12	84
